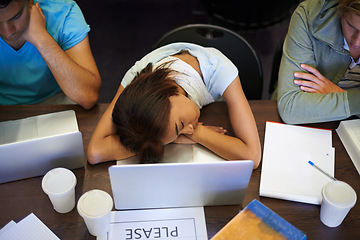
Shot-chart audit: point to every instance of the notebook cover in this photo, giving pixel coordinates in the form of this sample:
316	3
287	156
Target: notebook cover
256	221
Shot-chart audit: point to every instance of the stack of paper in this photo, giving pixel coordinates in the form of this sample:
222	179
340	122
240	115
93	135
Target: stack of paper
30	228
286	173
349	133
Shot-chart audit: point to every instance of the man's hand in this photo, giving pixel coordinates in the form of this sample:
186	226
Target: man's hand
37	25
314	81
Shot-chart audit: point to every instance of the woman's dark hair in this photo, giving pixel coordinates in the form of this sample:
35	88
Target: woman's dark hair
141	113
4	3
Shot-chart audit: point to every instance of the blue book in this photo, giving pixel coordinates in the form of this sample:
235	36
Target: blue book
256	221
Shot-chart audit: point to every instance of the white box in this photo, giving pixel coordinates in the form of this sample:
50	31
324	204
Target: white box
32	146
349	134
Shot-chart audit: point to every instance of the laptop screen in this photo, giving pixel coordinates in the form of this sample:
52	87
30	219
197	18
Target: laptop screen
190	184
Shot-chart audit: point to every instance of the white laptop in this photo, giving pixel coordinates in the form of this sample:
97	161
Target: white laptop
30	147
170	185
179	153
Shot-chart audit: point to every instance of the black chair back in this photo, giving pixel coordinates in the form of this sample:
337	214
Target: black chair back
275	67
249	16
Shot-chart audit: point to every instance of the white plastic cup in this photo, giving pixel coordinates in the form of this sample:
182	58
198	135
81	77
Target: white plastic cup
95	208
59	184
338	198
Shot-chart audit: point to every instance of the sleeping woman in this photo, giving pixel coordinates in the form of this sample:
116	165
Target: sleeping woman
159	102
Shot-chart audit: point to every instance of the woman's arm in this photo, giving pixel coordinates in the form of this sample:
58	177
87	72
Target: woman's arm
246	144
104	144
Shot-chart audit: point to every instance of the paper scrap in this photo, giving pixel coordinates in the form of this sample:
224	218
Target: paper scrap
30	228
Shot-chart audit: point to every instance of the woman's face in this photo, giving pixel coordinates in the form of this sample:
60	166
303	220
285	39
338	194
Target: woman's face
183	118
350	23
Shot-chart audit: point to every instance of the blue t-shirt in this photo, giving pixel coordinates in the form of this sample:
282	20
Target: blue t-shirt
24	75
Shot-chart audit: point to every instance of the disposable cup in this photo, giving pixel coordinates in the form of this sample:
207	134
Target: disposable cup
95	208
59	184
338	198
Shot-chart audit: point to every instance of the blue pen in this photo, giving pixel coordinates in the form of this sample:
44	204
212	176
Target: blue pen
312	164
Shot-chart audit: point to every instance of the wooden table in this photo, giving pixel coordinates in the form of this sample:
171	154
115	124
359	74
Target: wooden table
20	198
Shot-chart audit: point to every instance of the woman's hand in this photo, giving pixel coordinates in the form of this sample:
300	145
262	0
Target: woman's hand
185	139
314	81
217	129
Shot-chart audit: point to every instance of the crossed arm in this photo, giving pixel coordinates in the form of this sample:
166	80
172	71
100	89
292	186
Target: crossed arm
104	144
245	145
75	70
307	90
314	82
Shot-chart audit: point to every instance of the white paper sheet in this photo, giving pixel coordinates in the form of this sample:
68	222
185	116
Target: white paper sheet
7	227
286	173
170	223
30	228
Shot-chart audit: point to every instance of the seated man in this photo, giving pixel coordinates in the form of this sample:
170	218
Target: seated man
45	54
319	71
